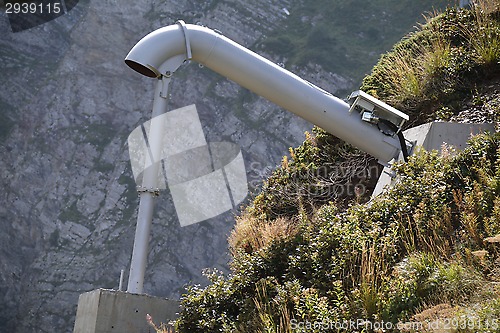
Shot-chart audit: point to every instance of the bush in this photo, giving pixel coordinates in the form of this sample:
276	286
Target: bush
323	169
423	279
376	261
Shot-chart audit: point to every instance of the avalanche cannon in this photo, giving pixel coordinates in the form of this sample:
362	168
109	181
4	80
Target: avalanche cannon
365	122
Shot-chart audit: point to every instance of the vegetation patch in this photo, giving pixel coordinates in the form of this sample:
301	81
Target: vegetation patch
323	169
442	64
426	251
414	246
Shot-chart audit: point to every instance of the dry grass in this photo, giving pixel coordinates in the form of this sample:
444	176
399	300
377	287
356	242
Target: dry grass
264	307
370	274
485	35
404	74
415	73
495	239
412	72
251	234
163	328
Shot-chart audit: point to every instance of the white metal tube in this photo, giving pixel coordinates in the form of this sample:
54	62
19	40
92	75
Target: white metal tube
263	77
120	283
146	204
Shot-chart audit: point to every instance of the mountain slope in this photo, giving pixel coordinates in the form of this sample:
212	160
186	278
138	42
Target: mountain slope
67	105
424	256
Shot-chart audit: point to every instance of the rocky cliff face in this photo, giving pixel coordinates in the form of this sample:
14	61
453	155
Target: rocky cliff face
68	103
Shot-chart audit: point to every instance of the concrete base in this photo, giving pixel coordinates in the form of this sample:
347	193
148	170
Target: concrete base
432	136
107	311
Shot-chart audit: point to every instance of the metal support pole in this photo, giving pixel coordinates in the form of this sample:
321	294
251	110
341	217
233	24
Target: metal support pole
120	284
150	183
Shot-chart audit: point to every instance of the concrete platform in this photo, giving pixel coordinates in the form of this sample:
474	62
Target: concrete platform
432	136
108	311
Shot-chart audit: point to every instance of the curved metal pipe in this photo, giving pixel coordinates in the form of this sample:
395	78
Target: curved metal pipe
251	71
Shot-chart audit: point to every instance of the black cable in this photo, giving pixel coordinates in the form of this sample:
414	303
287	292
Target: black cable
402	142
394	130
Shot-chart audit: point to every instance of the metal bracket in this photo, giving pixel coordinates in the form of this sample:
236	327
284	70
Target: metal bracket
391	173
189	54
385	164
373	109
165	81
168	68
154	192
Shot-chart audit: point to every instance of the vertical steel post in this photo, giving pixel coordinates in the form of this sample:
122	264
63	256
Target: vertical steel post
120	284
147	197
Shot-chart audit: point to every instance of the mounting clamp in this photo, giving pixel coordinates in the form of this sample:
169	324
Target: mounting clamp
154	192
373	110
189	54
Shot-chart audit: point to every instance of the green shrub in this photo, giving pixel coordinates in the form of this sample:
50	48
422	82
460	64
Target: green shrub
302	251
423	279
376	261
